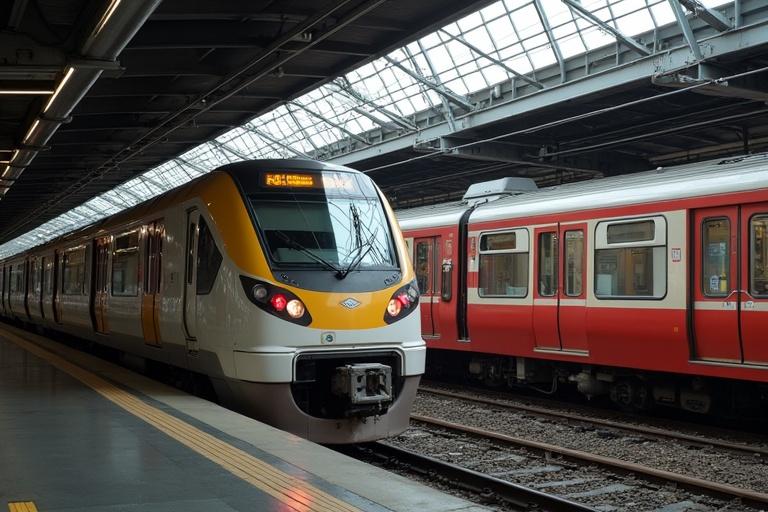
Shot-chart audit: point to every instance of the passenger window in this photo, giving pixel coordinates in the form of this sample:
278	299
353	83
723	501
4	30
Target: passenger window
574	263
20	277
630	259
759	256
208	259
74	272
47	277
503	264
422	269
547	264
190	252
716	266
125	265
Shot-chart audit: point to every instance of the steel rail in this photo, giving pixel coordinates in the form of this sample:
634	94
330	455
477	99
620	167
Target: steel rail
640	429
752	498
518	495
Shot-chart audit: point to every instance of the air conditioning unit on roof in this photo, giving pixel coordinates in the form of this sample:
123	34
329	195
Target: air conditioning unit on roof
496	189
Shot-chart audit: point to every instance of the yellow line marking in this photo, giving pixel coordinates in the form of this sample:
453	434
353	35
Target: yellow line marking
287	489
22	506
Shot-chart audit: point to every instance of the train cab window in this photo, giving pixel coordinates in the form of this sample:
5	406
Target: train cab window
74	272
208	259
716	265
758	271
503	265
631	259
547	264
574	263
125	265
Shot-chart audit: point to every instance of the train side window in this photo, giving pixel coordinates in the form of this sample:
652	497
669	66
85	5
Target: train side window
631	259
574	263
20	277
34	276
716	264
125	265
12	279
208	259
503	265
74	272
190	252
548	264
422	267
47	276
758	271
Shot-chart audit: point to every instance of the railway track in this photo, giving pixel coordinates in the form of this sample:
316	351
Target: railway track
602	422
571	455
508	495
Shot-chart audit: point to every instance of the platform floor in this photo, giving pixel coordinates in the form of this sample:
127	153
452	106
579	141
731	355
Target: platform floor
79	433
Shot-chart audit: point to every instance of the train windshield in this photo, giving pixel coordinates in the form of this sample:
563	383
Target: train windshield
333	220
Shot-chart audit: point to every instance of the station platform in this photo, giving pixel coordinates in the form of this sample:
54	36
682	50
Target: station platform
80	433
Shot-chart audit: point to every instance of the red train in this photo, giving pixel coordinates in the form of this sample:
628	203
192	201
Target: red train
650	288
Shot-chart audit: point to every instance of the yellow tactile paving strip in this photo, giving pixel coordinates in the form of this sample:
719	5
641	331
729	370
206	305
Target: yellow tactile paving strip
285	488
22	506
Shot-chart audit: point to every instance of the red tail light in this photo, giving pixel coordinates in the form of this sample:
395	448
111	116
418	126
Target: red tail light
279	302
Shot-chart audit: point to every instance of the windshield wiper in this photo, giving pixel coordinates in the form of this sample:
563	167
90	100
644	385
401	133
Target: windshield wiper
368	245
297	246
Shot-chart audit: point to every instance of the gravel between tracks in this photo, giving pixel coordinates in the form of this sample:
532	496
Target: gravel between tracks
595	486
749	471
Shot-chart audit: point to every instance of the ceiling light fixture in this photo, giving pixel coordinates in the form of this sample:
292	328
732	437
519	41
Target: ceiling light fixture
59	88
31	130
25	92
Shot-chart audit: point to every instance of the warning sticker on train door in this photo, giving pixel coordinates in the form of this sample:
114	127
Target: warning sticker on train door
677	254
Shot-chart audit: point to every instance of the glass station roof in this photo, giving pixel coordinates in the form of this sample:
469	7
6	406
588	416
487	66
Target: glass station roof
498	43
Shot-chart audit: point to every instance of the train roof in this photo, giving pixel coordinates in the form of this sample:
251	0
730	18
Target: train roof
665	183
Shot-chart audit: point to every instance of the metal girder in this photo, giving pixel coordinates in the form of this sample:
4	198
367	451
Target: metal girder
443	92
750	88
485	151
710	16
347	90
587	15
682	20
330	123
550	37
496	61
274	141
721	45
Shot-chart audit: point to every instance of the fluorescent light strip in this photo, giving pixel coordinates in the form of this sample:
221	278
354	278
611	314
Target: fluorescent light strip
30	92
110	11
59	88
31	129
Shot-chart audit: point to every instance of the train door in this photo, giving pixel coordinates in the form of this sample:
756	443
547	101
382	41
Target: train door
100	294
572	312
150	303
715	289
546	299
426	273
27	289
41	287
56	295
2	288
46	296
753	314
190	278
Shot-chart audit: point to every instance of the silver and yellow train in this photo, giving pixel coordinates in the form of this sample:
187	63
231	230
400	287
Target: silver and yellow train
286	282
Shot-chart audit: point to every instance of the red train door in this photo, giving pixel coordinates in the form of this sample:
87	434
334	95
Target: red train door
572	313
753	313
715	284
424	265
546	299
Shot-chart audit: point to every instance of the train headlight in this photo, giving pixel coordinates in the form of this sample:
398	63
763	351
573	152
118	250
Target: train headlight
402	302
260	292
295	308
276	301
394	307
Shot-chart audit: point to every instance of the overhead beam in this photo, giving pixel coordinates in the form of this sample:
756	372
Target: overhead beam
496	61
711	17
330	123
682	20
587	15
722	45
440	90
